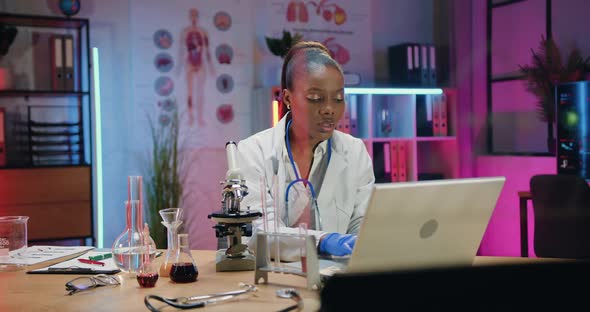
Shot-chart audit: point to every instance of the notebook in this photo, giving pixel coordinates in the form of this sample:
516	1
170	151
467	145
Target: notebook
424	224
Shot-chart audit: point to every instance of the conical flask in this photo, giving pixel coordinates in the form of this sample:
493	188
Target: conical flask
171	219
184	269
129	249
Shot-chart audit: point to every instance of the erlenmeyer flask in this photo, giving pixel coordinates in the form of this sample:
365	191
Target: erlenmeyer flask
147	274
171	219
128	249
184	269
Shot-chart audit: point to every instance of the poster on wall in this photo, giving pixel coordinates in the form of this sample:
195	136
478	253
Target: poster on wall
194	58
343	26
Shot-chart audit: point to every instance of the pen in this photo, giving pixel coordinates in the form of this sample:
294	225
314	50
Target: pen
101	257
91	262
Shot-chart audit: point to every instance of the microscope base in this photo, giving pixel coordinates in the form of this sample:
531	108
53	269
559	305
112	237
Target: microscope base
225	264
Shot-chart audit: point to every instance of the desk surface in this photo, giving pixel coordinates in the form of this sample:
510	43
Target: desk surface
27	292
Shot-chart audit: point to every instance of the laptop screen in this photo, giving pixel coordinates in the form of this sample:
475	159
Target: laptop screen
424	224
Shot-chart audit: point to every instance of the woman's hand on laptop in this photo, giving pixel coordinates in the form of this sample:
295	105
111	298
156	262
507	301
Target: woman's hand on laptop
337	244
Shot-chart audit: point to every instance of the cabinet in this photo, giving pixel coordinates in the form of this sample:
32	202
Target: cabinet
46	95
409	133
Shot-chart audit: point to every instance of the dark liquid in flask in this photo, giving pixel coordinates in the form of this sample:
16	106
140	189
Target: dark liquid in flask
147	280
183	273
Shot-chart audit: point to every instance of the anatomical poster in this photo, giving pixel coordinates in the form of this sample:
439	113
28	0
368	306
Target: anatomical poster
194	58
343	26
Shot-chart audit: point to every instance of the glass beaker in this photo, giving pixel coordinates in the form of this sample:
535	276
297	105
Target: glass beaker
147	274
13	242
172	219
128	249
184	269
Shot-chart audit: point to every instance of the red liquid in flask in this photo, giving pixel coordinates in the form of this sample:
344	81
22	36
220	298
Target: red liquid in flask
184	272
147	280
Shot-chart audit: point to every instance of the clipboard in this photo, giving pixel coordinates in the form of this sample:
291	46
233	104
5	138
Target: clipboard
73	270
73	266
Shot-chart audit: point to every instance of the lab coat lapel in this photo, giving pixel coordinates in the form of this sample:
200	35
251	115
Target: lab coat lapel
330	185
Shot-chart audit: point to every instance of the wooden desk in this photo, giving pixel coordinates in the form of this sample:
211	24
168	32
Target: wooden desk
34	292
523	198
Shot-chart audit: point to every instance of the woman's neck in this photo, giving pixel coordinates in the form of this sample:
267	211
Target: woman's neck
301	143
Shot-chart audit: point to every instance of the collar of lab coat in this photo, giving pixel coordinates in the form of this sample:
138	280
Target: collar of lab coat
338	163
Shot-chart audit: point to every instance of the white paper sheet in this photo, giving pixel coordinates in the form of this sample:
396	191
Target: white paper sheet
38	254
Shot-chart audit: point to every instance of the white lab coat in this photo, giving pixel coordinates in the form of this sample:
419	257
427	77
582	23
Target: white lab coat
345	191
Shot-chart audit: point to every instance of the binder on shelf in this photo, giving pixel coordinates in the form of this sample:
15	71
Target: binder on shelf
425	69
436	116
433	79
68	62
353	116
442	102
394	162
381	175
417	68
344	123
387	159
401	64
57	63
402	156
2	137
424	122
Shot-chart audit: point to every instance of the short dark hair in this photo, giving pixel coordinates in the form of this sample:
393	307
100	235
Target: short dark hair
314	53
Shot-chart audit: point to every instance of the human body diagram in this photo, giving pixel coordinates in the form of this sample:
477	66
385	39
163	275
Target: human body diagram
194	51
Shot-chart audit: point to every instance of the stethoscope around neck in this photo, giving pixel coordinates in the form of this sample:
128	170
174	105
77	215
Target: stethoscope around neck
299	179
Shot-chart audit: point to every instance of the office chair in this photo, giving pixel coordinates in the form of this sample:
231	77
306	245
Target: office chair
561	205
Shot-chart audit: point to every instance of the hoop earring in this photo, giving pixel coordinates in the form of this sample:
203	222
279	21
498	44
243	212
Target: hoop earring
288	107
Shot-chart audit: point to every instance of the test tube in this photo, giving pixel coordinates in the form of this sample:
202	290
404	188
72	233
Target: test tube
277	205
303	248
263	204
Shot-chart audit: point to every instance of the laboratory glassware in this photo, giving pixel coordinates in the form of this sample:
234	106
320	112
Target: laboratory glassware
171	219
184	269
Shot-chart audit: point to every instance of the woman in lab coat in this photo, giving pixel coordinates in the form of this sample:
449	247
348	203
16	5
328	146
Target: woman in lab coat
333	170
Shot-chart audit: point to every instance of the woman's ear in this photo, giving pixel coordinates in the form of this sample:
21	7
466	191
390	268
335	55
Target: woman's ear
287	98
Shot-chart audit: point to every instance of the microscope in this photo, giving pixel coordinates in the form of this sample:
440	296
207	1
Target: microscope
233	223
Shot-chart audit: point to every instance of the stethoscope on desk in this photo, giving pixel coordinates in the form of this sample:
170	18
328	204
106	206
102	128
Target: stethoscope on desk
299	179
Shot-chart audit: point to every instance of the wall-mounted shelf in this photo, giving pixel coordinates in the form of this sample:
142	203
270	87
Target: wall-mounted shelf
43	93
410	133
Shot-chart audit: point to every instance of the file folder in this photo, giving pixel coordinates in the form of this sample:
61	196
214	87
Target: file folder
57	63
436	116
433	81
442	102
402	156
394	162
68	62
425	70
401	64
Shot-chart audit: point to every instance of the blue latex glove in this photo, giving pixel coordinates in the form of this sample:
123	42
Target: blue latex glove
337	244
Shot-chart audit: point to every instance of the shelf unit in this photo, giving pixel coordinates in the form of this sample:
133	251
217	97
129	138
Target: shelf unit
387	119
48	174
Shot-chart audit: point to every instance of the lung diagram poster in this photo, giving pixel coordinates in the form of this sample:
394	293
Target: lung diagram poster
343	26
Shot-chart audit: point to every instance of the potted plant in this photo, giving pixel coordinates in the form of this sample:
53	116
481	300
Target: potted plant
280	46
547	69
165	176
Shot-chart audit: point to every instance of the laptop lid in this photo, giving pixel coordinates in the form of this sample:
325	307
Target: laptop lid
424	224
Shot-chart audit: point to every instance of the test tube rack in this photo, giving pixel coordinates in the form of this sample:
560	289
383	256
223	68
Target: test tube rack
265	265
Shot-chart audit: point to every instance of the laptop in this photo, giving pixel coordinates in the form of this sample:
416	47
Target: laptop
424	224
